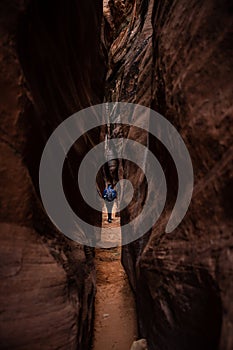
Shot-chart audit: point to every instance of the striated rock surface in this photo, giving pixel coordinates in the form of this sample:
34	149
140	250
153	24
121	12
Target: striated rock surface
48	67
177	59
46	292
172	56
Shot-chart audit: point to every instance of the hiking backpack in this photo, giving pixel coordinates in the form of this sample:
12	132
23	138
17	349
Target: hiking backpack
110	194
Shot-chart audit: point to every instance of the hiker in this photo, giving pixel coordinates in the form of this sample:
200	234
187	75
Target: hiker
109	195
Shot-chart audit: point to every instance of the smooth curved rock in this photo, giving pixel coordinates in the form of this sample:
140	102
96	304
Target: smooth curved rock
177	59
47	282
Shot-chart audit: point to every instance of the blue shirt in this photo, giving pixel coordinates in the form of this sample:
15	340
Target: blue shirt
109	194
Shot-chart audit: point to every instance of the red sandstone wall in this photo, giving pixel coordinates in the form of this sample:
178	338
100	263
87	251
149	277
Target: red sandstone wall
47	282
179	62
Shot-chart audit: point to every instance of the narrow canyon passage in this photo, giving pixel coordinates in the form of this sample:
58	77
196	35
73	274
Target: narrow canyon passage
115	318
58	58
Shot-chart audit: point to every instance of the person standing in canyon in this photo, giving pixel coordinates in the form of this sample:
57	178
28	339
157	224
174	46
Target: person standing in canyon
109	195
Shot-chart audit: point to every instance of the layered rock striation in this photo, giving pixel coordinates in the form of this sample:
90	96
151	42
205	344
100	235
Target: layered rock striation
176	57
52	65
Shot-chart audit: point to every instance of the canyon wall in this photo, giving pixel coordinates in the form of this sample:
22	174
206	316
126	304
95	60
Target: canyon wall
176	57
172	56
50	56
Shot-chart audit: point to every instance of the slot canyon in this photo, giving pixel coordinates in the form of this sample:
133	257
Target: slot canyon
173	289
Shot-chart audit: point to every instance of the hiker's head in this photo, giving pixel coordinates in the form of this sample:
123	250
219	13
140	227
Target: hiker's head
109	185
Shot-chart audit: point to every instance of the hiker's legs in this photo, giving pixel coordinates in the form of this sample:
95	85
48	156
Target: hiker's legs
109	206
109	216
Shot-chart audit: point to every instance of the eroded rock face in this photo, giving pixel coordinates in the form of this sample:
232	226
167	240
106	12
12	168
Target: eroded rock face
177	59
47	282
46	292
